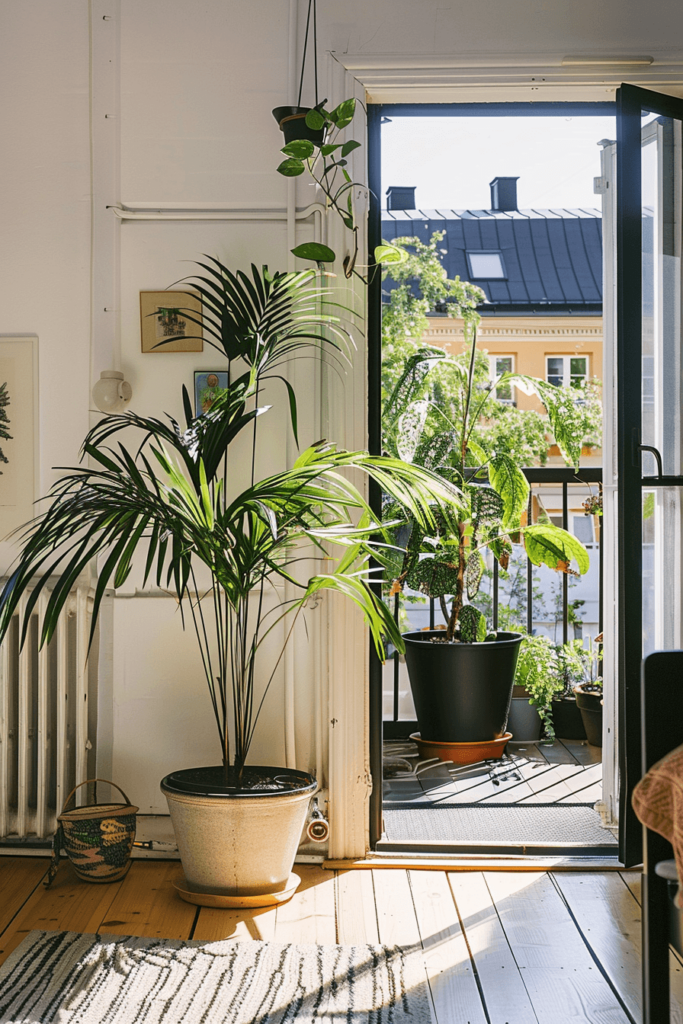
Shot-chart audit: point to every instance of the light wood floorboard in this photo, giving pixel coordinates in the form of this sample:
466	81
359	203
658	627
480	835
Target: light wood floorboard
499	947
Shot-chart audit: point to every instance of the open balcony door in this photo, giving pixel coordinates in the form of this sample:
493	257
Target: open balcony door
645	494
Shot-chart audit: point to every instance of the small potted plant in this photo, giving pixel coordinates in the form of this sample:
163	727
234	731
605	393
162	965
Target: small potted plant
221	554
588	692
537	681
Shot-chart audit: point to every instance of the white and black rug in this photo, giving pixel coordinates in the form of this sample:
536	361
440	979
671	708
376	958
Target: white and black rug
69	978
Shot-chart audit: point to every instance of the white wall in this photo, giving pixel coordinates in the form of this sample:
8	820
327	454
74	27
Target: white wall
197	84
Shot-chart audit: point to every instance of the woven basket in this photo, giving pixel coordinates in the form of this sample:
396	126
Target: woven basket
98	839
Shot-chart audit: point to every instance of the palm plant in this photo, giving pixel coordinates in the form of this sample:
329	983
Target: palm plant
168	499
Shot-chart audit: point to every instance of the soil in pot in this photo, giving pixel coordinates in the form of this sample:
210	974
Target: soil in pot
589	703
567	720
292	122
238	840
524	721
461	691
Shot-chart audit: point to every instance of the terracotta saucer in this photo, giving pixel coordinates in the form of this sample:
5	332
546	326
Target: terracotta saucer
211	899
462	753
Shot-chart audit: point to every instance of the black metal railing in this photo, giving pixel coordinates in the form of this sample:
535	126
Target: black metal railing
590	477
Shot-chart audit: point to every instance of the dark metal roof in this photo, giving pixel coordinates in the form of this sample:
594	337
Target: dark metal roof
552	258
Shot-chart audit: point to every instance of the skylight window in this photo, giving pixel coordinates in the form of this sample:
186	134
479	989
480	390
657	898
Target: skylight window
486	265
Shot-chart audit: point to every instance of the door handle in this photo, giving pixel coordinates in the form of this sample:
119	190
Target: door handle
658	457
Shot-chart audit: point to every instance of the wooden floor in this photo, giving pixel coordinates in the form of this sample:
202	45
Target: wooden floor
566	771
499	947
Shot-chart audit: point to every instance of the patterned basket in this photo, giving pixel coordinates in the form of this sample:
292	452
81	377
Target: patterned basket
98	839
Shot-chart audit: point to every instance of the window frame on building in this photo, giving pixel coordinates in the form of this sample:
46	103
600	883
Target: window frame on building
495	373
469	253
569	378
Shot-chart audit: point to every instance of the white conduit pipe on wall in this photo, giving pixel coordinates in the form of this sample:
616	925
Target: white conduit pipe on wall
44	739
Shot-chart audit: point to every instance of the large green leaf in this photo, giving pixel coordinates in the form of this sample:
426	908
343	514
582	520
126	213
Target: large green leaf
512	486
315	120
474	570
434	577
550	545
300	148
315	251
291	167
343	114
386	253
472	625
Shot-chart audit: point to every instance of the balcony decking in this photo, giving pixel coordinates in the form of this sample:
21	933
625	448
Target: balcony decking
563	780
500	947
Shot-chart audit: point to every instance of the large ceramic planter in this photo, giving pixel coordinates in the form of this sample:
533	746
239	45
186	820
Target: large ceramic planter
237	842
461	691
589	703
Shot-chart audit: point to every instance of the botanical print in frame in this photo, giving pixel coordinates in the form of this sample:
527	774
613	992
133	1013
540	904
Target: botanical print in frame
167	322
208	386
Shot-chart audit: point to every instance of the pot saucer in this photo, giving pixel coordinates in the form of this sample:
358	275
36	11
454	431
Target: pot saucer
462	753
219	900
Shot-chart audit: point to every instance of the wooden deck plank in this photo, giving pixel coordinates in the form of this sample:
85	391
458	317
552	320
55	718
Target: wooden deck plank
505	994
396	920
310	914
69	905
356	914
562	979
557	753
583	751
148	904
609	915
447	959
19	877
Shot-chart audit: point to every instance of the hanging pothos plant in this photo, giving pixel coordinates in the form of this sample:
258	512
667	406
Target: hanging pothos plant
326	164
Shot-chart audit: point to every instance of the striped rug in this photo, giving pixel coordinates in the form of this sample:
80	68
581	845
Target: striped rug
69	978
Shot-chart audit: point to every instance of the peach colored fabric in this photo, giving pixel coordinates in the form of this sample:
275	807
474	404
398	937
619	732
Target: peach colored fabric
658	803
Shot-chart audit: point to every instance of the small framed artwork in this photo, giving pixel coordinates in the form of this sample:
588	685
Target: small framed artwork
167	322
208	386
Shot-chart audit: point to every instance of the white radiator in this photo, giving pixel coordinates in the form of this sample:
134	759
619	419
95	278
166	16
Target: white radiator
44	697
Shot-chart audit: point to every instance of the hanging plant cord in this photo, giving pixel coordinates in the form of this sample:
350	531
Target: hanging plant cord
311	4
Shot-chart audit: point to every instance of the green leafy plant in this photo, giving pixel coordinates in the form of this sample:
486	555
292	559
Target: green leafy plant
539	671
170	501
579	664
326	164
449	563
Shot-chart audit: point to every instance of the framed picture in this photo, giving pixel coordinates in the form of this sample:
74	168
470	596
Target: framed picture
208	385
165	324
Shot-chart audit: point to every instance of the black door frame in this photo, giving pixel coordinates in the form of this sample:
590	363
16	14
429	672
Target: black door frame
376	112
631	102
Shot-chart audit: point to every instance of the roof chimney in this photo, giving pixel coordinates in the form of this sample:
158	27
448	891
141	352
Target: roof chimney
401	197
504	193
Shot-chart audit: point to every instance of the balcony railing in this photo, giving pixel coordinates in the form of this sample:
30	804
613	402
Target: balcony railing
561	493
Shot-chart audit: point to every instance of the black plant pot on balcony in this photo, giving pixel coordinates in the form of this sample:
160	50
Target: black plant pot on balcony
292	122
461	691
567	720
589	703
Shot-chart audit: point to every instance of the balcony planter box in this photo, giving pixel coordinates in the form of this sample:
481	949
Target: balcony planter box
567	720
238	842
292	122
589	703
461	691
524	721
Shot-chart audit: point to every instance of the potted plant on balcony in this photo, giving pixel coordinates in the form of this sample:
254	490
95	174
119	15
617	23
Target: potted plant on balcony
537	680
462	678
582	663
221	553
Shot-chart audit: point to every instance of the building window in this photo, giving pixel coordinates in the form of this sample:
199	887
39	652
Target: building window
566	371
486	265
505	392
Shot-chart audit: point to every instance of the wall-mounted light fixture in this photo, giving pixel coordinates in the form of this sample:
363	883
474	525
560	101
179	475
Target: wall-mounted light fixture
112	392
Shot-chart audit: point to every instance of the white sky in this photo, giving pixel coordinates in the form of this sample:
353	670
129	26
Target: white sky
451	160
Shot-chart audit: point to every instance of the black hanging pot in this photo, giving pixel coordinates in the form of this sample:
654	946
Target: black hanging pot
461	691
292	122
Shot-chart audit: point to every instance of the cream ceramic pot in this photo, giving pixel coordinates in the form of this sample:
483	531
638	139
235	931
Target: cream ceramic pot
239	842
